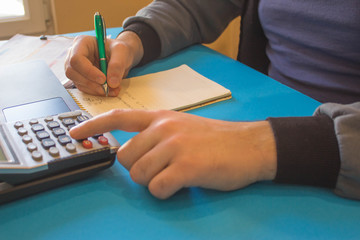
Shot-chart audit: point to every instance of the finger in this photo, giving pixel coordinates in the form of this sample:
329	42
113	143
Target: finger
116	67
150	164
89	87
113	92
139	146
86	69
83	58
92	89
135	148
83	84
126	120
169	181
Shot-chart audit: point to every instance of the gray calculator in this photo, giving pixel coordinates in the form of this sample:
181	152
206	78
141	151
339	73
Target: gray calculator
38	154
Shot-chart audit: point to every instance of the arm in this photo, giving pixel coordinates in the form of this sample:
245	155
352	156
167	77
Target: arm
322	150
175	150
159	29
181	23
347	128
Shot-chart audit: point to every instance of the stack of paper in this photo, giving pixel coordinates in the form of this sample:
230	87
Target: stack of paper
53	51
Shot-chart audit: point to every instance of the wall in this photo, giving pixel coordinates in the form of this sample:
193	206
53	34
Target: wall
77	16
228	42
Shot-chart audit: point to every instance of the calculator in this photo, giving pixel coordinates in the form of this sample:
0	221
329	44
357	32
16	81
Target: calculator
38	154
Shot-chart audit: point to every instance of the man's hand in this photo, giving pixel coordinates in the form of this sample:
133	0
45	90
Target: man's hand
82	62
175	150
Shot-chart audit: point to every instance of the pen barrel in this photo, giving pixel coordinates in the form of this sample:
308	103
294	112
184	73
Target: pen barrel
101	37
103	66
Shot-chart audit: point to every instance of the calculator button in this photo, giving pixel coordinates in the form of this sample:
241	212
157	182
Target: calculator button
64	139
68	121
48	143
49	119
69	114
82	118
26	139
36	155
33	121
37	127
87	144
103	140
22	131
96	136
71	126
42	135
31	147
54	151
58	132
18	124
70	147
53	124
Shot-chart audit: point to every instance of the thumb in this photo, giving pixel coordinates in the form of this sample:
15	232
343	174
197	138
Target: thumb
169	181
115	73
118	63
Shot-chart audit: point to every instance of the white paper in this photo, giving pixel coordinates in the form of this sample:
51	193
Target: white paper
53	51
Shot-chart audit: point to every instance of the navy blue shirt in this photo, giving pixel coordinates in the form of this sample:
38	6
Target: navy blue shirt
314	46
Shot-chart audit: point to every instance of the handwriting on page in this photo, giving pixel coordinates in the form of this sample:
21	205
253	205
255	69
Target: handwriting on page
175	89
97	104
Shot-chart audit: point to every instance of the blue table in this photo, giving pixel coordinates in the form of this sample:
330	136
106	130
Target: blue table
111	206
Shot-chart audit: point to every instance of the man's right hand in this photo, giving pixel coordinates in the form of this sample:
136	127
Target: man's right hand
82	62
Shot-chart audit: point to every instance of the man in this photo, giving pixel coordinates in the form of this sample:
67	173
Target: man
311	46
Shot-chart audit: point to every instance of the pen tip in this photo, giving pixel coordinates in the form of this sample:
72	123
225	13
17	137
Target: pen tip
106	89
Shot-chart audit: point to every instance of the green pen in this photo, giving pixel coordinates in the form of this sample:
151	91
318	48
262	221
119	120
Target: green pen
100	31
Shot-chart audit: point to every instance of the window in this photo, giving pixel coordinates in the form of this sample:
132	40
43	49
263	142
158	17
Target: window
21	16
11	9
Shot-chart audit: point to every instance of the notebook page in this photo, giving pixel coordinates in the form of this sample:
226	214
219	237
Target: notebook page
175	89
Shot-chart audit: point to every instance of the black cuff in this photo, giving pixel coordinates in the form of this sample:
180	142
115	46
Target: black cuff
307	151
149	39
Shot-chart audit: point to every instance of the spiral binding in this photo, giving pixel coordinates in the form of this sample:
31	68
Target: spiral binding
77	102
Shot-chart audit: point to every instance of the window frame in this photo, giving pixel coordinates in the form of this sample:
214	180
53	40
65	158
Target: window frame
33	21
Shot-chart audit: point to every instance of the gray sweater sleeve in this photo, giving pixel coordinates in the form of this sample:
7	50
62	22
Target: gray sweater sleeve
347	129
322	150
182	23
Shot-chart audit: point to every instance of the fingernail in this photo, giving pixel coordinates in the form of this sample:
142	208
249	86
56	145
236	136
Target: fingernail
113	82
100	80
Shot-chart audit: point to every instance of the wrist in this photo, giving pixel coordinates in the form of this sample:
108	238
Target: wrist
149	38
132	41
266	146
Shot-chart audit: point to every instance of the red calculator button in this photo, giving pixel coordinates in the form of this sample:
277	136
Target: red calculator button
103	140
87	144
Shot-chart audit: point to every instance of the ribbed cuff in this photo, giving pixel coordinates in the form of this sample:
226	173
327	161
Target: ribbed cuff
307	151
149	39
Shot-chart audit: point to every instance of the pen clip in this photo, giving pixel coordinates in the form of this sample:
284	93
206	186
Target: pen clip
104	27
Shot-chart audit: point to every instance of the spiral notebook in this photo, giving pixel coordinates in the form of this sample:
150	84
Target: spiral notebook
179	89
